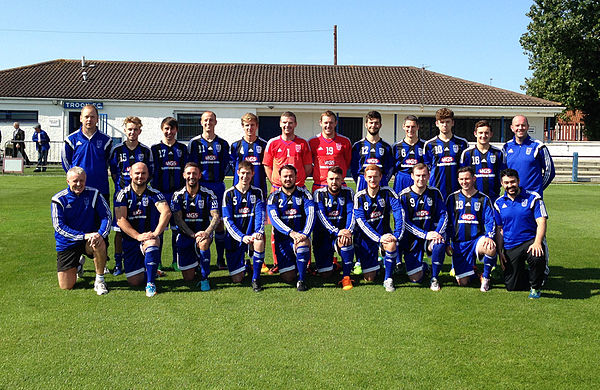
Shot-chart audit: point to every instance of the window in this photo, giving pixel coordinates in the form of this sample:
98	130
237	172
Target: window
23	116
189	126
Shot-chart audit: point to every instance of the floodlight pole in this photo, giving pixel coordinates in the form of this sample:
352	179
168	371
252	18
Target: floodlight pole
335	44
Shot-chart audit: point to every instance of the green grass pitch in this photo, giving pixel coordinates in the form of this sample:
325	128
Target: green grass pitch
232	337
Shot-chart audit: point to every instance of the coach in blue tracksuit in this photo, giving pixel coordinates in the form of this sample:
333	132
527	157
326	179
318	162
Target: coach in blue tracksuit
521	219
81	220
529	157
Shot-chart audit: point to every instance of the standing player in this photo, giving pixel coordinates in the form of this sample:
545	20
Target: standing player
472	227
89	149
407	153
442	154
211	153
142	214
169	156
335	226
250	148
81	219
196	213
371	150
372	209
426	220
487	160
287	149
244	218
522	220
292	214
122	158
329	149
529	157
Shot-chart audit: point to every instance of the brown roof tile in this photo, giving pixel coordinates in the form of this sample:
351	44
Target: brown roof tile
253	83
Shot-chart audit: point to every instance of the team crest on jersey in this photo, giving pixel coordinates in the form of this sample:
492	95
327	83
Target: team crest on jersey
252	198
342	201
381	150
476	206
86	202
145	201
455	148
218	147
179	153
201	203
298	201
420	151
524	203
259	149
381	202
492	159
99	144
429	202
338	146
298	148
528	151
140	157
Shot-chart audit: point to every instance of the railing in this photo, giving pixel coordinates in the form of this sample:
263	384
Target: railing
53	154
566	132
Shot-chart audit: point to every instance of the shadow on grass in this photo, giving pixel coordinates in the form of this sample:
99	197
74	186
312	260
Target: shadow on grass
572	283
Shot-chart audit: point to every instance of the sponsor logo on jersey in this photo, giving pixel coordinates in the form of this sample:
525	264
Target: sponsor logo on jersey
447	159
137	212
78	143
330	162
411	161
468	217
191	215
422	213
291	212
333	213
244	210
376	214
298	148
210	157
171	163
251	159
485	171
320	148
372	160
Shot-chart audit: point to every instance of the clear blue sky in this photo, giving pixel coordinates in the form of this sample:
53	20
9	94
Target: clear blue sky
473	40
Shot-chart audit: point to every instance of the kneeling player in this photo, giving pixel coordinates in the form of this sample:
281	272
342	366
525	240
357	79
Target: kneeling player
426	221
244	219
372	209
334	226
196	214
142	214
292	213
472	229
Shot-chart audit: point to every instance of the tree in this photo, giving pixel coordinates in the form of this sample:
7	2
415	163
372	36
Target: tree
563	45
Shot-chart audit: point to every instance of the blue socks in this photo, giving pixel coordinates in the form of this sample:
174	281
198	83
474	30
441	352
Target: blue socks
347	254
119	260
220	245
151	260
257	262
204	263
438	255
488	264
390	263
302	257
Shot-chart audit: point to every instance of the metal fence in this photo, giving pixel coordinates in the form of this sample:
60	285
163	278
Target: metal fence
53	154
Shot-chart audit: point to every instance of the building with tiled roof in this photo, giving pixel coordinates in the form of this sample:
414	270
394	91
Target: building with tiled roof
52	93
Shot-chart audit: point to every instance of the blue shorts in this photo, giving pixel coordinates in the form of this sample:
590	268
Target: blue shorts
401	181
323	248
217	188
235	255
464	257
284	251
367	252
187	252
133	257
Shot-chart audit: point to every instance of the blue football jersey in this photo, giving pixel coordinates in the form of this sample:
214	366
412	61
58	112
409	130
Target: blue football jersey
424	213
211	156
533	162
443	159
243	213
253	152
407	156
75	215
91	154
366	153
195	210
373	214
142	213
121	160
470	217
487	167
295	212
169	162
335	211
517	217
